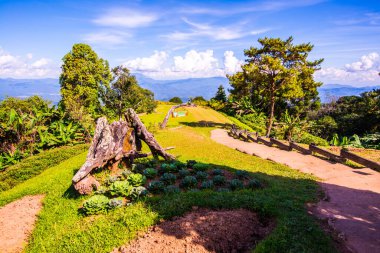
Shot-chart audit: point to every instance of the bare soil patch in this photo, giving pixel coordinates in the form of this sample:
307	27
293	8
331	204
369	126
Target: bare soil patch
204	230
17	221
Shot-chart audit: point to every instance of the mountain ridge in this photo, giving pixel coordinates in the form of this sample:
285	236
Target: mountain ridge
49	88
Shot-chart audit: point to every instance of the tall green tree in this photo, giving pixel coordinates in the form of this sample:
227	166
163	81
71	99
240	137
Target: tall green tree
220	94
124	92
277	72
83	75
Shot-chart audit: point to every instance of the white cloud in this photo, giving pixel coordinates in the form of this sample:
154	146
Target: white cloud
107	37
359	73
29	56
125	18
21	67
193	64
231	63
213	32
151	63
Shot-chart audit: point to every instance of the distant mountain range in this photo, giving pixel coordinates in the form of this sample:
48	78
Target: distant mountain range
163	89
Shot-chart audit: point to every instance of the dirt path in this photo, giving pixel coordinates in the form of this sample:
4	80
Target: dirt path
353	203
203	231
17	221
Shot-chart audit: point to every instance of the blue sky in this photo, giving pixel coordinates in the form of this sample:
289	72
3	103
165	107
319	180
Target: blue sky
181	39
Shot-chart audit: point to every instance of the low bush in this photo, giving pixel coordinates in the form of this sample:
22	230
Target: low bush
120	188
307	138
115	203
111	179
136	179
207	185
183	173
138	167
125	173
138	192
190	163
236	184
34	165
171	189
150	173
219	180
254	184
217	172
200	167
242	174
189	182
168	178
156	187
169	167
96	204
201	175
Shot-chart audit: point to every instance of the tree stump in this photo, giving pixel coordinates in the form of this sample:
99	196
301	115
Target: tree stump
112	143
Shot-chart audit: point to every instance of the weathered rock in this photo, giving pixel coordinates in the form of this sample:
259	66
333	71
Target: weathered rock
87	185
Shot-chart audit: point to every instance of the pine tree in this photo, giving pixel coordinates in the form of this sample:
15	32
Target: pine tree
220	94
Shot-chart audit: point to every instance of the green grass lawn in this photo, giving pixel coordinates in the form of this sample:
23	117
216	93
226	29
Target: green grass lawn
62	228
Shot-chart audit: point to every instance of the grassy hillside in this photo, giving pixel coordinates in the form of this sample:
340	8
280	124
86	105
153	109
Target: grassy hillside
61	228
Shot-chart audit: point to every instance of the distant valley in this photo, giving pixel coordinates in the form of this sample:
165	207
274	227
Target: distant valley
163	89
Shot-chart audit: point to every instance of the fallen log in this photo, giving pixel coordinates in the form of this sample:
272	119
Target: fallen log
112	143
166	119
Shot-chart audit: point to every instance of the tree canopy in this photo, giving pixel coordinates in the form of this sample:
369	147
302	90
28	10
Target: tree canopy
176	100
277	72
220	94
124	92
83	74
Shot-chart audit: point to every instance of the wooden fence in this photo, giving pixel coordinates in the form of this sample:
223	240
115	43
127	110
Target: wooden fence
312	149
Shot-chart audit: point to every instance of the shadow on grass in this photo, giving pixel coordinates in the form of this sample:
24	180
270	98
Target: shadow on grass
282	199
204	123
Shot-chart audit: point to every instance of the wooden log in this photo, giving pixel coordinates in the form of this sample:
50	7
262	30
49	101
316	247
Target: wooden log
250	138
358	159
262	140
299	148
331	156
166	119
280	144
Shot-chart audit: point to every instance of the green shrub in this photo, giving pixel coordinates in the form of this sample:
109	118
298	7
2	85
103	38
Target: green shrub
125	173
138	167
171	189
223	190
120	188
242	174
138	192
201	175
136	179
96	204
236	184
168	178
254	184
190	163
183	173
169	167
207	184
111	179
150	173
217	172
189	182
156	187
115	203
179	165
219	180
200	167
34	165
307	138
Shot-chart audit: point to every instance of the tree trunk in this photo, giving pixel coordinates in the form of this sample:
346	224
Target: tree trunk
271	115
143	134
165	122
113	142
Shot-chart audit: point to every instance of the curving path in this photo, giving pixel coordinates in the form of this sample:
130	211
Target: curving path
17	220
352	206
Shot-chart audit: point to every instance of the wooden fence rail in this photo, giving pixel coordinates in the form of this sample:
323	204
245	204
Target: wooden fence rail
344	154
358	159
